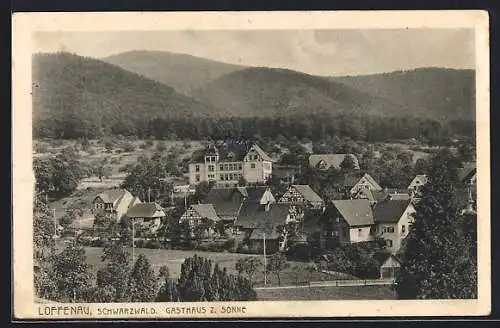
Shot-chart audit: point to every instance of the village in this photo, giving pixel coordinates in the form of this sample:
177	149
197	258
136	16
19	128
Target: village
239	200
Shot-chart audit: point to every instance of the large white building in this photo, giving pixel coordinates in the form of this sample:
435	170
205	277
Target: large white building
228	163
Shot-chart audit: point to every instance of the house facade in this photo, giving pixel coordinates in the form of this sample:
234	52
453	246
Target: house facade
348	221
389	265
269	221
116	202
301	198
227	164
416	184
393	219
196	213
147	217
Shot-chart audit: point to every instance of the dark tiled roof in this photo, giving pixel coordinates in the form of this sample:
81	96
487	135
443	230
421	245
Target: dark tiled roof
206	211
255	193
331	160
226	201
228	152
258	234
145	210
382	257
308	194
357	212
390	211
253	215
111	196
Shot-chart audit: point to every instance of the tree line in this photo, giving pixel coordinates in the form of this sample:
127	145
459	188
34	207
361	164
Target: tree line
301	126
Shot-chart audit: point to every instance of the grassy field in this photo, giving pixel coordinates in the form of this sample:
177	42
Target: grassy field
173	259
327	293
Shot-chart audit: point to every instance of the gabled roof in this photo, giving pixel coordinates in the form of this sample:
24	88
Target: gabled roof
254	215
254	194
466	172
390	211
113	195
262	153
228	151
419	177
382	257
258	234
308	194
356	212
223	201
145	210
349	179
330	160
205	211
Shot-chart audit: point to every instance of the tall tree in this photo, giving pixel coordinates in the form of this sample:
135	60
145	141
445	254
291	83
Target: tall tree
142	284
434	264
71	274
349	162
116	273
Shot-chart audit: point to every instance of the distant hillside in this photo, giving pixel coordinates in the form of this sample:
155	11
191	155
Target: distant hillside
85	93
443	93
182	72
271	92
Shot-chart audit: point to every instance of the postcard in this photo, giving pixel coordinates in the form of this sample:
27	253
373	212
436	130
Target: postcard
176	165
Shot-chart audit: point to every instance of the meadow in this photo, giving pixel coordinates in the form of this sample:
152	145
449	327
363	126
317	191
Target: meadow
173	259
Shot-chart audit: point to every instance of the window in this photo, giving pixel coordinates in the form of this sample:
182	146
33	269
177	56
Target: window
253	165
197	168
197	178
240	166
403	229
211	168
388	243
221	167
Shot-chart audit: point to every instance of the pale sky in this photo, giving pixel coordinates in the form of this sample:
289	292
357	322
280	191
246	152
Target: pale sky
321	52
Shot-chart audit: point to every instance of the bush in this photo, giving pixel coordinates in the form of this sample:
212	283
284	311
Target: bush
299	252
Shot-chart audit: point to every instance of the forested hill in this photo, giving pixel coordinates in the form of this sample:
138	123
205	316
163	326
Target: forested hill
77	95
280	92
180	71
444	93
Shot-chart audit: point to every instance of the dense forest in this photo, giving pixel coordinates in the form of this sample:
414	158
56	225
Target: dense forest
76	96
312	127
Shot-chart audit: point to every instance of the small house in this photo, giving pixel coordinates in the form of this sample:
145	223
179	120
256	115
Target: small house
393	219
349	184
301	198
146	216
389	264
257	221
348	221
116	201
416	184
